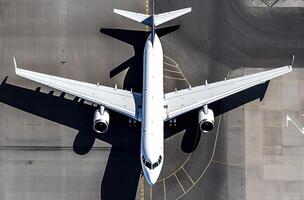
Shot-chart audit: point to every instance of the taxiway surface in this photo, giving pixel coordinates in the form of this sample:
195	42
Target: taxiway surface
48	149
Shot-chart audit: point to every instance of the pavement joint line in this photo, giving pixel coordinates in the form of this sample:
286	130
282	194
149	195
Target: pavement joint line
29	124
150	192
173	78
168	70
188	175
48	148
235	126
226	163
165	193
180	184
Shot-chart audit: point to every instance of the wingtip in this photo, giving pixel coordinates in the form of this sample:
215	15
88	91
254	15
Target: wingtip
115	10
15	65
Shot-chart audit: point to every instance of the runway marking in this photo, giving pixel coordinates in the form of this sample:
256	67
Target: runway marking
179	182
169	64
212	156
147	12
177	169
288	119
210	161
165	195
142	187
270	3
168	70
188	175
175	64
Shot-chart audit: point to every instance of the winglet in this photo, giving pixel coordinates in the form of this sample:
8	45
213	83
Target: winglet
15	64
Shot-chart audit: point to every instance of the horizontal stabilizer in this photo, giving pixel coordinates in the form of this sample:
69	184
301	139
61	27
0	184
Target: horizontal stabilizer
165	17
150	20
141	18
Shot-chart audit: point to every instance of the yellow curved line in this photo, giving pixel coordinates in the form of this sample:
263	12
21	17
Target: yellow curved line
213	153
171	59
208	165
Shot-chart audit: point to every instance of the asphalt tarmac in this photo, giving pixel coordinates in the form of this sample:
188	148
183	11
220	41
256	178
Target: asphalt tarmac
48	149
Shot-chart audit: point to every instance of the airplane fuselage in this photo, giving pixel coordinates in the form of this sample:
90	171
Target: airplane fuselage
152	136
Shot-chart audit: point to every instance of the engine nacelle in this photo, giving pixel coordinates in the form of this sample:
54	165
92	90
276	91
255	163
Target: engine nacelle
101	120
206	120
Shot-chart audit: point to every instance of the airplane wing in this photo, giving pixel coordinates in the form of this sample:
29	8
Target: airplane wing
180	102
121	101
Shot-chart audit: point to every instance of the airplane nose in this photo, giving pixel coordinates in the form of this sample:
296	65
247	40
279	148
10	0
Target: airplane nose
151	178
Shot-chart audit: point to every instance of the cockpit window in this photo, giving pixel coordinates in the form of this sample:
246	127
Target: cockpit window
146	163
151	166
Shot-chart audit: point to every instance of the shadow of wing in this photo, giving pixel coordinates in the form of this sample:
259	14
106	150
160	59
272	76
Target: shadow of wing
126	64
166	30
231	102
132	37
71	113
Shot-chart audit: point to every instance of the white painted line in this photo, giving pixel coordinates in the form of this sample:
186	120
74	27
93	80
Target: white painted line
288	119
188	175
179	183
168	70
208	165
169	64
173	78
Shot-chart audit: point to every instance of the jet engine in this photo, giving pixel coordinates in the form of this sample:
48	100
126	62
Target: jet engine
206	119
101	120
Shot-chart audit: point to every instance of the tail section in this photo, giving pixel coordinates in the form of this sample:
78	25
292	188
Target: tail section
168	16
138	17
152	20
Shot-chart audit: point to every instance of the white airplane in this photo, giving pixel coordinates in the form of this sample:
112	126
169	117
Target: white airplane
152	107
